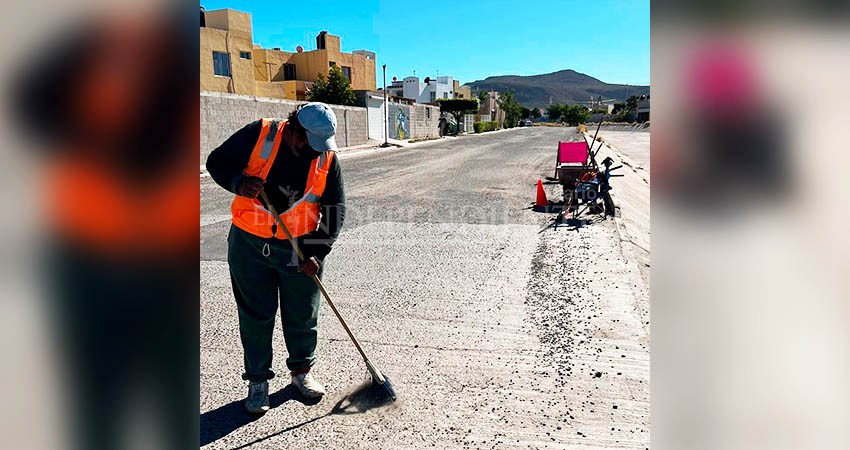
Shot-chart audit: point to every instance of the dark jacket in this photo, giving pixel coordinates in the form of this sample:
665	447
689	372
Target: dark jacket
285	183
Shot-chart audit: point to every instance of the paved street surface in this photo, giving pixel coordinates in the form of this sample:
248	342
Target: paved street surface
495	334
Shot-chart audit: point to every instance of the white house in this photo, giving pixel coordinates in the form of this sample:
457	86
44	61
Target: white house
396	89
421	92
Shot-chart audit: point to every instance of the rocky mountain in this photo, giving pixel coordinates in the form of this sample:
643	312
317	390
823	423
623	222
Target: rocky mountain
564	86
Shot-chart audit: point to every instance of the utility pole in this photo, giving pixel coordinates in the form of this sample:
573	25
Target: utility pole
386	111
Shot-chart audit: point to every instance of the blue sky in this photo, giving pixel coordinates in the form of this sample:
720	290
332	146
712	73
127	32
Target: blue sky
469	40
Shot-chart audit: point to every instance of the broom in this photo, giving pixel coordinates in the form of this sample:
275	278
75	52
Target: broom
377	377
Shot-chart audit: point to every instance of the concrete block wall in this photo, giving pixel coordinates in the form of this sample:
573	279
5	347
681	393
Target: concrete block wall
224	114
399	121
424	122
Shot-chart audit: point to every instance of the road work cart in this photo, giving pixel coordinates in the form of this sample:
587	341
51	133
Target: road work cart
586	186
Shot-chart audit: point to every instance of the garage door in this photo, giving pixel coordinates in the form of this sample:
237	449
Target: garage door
375	119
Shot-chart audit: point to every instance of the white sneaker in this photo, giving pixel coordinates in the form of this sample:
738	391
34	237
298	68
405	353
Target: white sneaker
308	385
258	397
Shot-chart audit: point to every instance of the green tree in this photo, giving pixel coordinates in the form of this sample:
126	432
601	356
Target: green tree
335	89
623	115
536	113
631	103
575	114
554	111
618	107
458	107
525	113
507	103
483	96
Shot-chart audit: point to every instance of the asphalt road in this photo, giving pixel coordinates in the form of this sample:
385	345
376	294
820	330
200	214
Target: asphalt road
496	334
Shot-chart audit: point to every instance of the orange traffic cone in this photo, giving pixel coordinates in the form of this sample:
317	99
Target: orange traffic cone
541	195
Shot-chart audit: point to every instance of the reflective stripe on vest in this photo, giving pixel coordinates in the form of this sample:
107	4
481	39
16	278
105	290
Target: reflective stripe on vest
303	216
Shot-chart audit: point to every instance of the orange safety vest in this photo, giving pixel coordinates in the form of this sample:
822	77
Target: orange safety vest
303	216
95	206
90	201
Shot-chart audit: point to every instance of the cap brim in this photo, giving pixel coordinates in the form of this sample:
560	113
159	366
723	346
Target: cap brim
320	144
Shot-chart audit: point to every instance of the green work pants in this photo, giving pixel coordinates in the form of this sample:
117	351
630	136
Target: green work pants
264	272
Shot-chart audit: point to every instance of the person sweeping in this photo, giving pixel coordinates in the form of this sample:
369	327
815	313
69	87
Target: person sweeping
293	163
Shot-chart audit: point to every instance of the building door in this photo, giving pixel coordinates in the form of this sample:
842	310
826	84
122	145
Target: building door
375	118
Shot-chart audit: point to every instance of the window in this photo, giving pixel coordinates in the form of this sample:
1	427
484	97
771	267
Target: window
427	113
332	64
347	72
221	64
245	55
289	72
433	96
445	95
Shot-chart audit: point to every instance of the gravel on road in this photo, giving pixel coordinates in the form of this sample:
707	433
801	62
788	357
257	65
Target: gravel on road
496	334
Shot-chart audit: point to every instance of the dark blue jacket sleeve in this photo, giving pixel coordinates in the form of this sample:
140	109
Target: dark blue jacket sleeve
226	163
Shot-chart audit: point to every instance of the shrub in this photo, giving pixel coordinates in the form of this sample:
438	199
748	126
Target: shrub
481	127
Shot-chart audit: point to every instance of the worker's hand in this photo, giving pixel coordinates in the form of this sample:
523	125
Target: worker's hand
309	267
250	187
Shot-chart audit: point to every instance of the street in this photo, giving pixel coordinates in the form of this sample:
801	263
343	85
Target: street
495	334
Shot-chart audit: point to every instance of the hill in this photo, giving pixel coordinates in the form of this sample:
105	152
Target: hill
563	86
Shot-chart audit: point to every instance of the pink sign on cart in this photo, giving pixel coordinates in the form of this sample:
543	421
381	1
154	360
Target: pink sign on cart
572	153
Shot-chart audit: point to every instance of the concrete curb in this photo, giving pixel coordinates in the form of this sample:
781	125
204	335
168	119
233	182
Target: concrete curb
490	133
628	162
